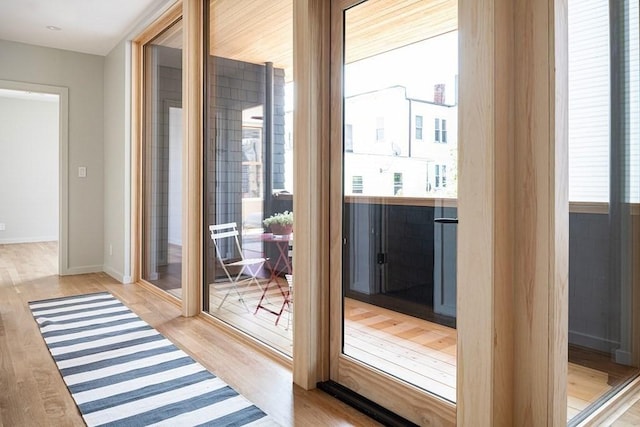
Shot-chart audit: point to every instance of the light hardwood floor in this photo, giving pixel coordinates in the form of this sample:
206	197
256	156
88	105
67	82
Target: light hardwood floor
421	352
32	392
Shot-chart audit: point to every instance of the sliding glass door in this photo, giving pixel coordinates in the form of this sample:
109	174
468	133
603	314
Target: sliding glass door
397	144
162	162
604	194
248	173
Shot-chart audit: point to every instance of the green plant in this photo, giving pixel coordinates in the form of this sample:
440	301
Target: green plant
284	218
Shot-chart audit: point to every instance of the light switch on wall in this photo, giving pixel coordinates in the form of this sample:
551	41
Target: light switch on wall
82	172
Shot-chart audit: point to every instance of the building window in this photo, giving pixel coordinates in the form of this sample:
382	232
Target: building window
380	129
357	184
428	182
252	179
441	176
418	127
437	135
348	138
397	183
444	131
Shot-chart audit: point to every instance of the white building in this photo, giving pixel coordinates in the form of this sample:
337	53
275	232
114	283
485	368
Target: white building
398	145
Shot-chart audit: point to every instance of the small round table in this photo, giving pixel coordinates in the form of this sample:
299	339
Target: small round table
282	243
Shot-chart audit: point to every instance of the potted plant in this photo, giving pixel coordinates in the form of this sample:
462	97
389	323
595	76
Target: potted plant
280	223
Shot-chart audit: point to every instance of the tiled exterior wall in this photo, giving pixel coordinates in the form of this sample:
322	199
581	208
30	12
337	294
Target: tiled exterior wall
235	86
410	240
409	231
400	233
278	129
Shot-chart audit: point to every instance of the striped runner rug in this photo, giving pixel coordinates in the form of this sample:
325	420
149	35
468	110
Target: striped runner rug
122	372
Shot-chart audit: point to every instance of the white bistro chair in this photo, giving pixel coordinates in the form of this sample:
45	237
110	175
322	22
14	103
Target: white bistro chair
248	268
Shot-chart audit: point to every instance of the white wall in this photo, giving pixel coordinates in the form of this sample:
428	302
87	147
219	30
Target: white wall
29	169
175	177
82	74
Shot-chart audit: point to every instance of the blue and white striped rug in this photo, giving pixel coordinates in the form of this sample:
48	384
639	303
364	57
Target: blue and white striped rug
121	371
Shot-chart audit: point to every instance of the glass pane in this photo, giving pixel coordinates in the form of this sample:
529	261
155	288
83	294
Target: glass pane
162	162
604	195
399	265
249	171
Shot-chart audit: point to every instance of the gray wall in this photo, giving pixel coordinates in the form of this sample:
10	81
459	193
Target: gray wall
83	75
594	302
28	170
117	163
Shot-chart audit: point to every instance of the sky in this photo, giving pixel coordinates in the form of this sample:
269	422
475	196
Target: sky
418	67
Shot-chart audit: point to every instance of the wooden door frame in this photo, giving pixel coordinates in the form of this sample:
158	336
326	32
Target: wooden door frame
311	39
192	173
417	405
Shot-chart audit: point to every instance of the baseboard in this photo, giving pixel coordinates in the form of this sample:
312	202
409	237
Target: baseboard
623	357
82	270
116	274
593	342
9	241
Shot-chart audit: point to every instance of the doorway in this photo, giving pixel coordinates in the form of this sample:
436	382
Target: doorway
396	332
34	152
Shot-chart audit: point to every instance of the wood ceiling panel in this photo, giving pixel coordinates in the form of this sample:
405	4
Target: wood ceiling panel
260	31
381	25
255	31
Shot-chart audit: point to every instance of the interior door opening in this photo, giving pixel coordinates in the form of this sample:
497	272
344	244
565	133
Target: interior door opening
31	155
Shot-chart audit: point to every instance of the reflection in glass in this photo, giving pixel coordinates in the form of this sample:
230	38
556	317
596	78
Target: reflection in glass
400	162
248	160
162	162
604	195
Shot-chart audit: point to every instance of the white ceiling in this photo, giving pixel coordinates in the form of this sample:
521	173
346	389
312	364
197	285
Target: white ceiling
88	26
